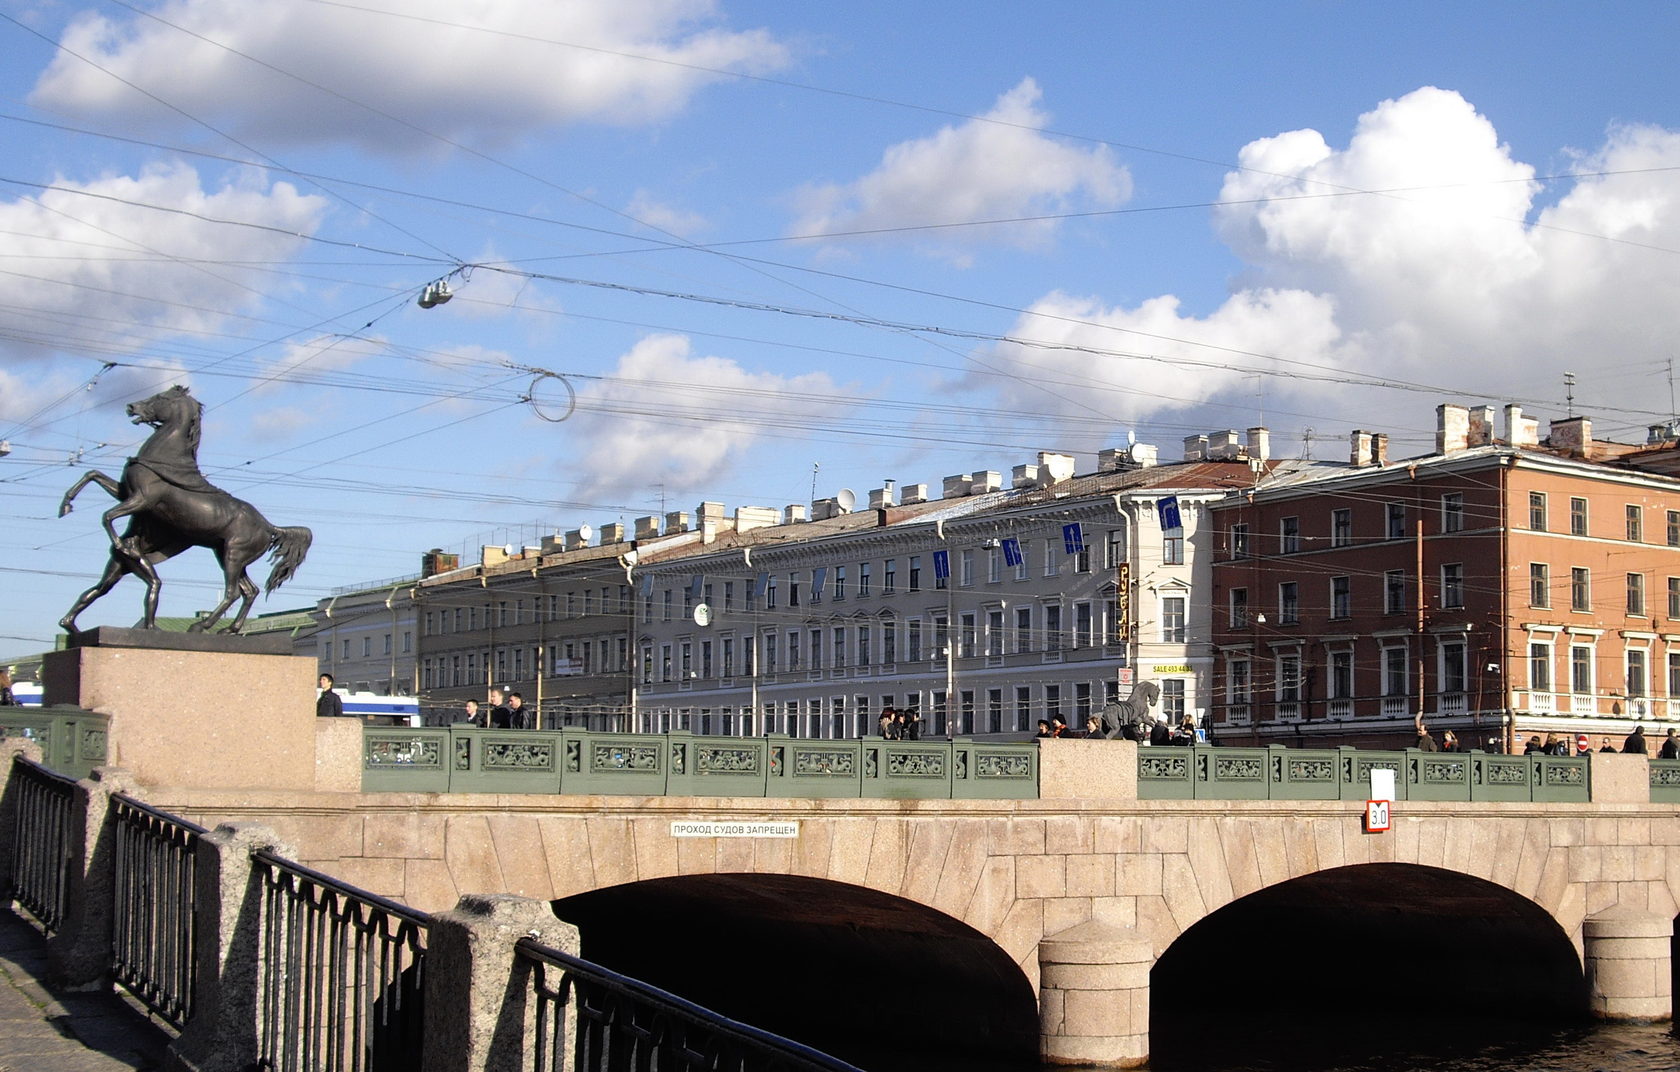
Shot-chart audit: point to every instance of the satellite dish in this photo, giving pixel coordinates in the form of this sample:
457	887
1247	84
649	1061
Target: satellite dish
630	557
846	499
507	549
702	615
1131	438
585	532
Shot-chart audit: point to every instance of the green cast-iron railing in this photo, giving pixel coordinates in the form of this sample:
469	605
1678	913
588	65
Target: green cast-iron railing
616	1024
154	930
42	853
470	760
73	741
342	977
1279	773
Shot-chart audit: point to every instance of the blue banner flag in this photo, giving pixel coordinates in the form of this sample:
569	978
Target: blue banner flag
941	564
647	585
695	584
1012	551
1168	508
760	585
1074	538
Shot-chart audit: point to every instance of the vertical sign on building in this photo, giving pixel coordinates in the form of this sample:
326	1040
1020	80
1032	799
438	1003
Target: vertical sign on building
1123	601
942	565
1168	509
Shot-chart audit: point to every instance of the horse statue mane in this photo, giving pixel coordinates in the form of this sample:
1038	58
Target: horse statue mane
170	507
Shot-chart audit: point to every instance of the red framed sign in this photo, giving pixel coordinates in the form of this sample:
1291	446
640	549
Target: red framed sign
1376	816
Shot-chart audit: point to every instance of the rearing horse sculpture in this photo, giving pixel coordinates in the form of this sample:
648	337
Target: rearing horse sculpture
1134	711
171	507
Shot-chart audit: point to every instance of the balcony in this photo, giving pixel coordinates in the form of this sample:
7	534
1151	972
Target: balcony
1450	704
1339	709
1238	714
1541	703
1289	711
1395	706
1583	704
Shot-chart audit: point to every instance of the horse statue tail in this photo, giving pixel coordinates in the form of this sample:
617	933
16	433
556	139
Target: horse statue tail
289	547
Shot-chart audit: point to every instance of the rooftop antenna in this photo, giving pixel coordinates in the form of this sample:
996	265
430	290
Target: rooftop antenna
1569	392
815	468
1672	414
1307	434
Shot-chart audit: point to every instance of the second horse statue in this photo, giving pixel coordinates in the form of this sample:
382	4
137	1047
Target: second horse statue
171	507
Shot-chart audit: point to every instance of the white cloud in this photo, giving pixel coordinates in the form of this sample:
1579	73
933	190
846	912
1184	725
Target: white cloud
483	73
665	217
667	416
999	166
1444	272
107	266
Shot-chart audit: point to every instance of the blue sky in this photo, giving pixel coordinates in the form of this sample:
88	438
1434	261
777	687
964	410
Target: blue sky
883	240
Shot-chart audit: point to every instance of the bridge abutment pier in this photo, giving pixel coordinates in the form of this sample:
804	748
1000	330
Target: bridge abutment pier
1628	956
478	1017
1094	996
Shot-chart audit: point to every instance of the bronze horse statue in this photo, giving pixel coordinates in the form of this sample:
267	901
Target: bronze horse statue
1133	711
171	507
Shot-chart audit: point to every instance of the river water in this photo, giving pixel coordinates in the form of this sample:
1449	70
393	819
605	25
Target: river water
1423	1047
1520	1047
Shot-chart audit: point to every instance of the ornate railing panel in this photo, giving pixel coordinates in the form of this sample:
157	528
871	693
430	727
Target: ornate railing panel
153	930
1280	773
73	741
466	759
1665	781
41	850
590	1019
342	975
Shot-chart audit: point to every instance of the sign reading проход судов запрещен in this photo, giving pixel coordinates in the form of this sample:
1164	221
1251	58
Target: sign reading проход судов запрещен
761	829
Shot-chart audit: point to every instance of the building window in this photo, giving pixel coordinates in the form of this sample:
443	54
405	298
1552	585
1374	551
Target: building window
1172	547
1289	678
1341	598
915	573
1396	672
1674	597
1396	521
1289	535
1023	707
1581	670
1024	548
1394	592
1172	619
1052	627
1052	702
1341	675
1674	673
967	636
1580	588
1082	635
1674	528
1239	541
1239	682
1452	512
815	655
839	584
1577	516
1082	559
1637	682
1289	603
1114	548
1452	585
770	652
1023	630
941	635
994	565
1172	700
1635	523
1052	567
770	593
1537	511
1452	666
1540	667
889	577
1636	594
863	580
1341	527
994	632
793	589
793	649
889	642
838	654
1539	585
913	640
966	560
1239	608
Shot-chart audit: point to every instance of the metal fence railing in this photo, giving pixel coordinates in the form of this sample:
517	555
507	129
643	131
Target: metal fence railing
342	976
41	849
154	928
617	1023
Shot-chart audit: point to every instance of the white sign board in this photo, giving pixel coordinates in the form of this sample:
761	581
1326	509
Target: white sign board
747	829
1382	783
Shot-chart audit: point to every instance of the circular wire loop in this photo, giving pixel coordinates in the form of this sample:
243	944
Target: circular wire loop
531	396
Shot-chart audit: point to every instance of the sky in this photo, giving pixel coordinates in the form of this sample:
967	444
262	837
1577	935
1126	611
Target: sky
741	252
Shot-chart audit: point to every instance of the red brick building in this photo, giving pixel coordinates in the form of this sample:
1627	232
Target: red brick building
1549	598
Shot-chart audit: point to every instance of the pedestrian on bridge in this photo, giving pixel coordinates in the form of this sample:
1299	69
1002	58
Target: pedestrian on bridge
1635	743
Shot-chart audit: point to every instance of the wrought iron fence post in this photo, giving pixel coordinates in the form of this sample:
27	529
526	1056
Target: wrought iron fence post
480	1016
9	747
223	1032
79	954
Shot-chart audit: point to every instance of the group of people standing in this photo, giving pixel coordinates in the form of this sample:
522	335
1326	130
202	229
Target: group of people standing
503	712
1096	728
1557	744
899	725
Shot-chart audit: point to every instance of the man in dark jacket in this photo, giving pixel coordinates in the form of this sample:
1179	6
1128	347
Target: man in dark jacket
1670	747
499	718
328	704
1635	743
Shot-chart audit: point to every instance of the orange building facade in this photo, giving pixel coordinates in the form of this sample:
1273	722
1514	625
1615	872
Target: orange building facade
1501	587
